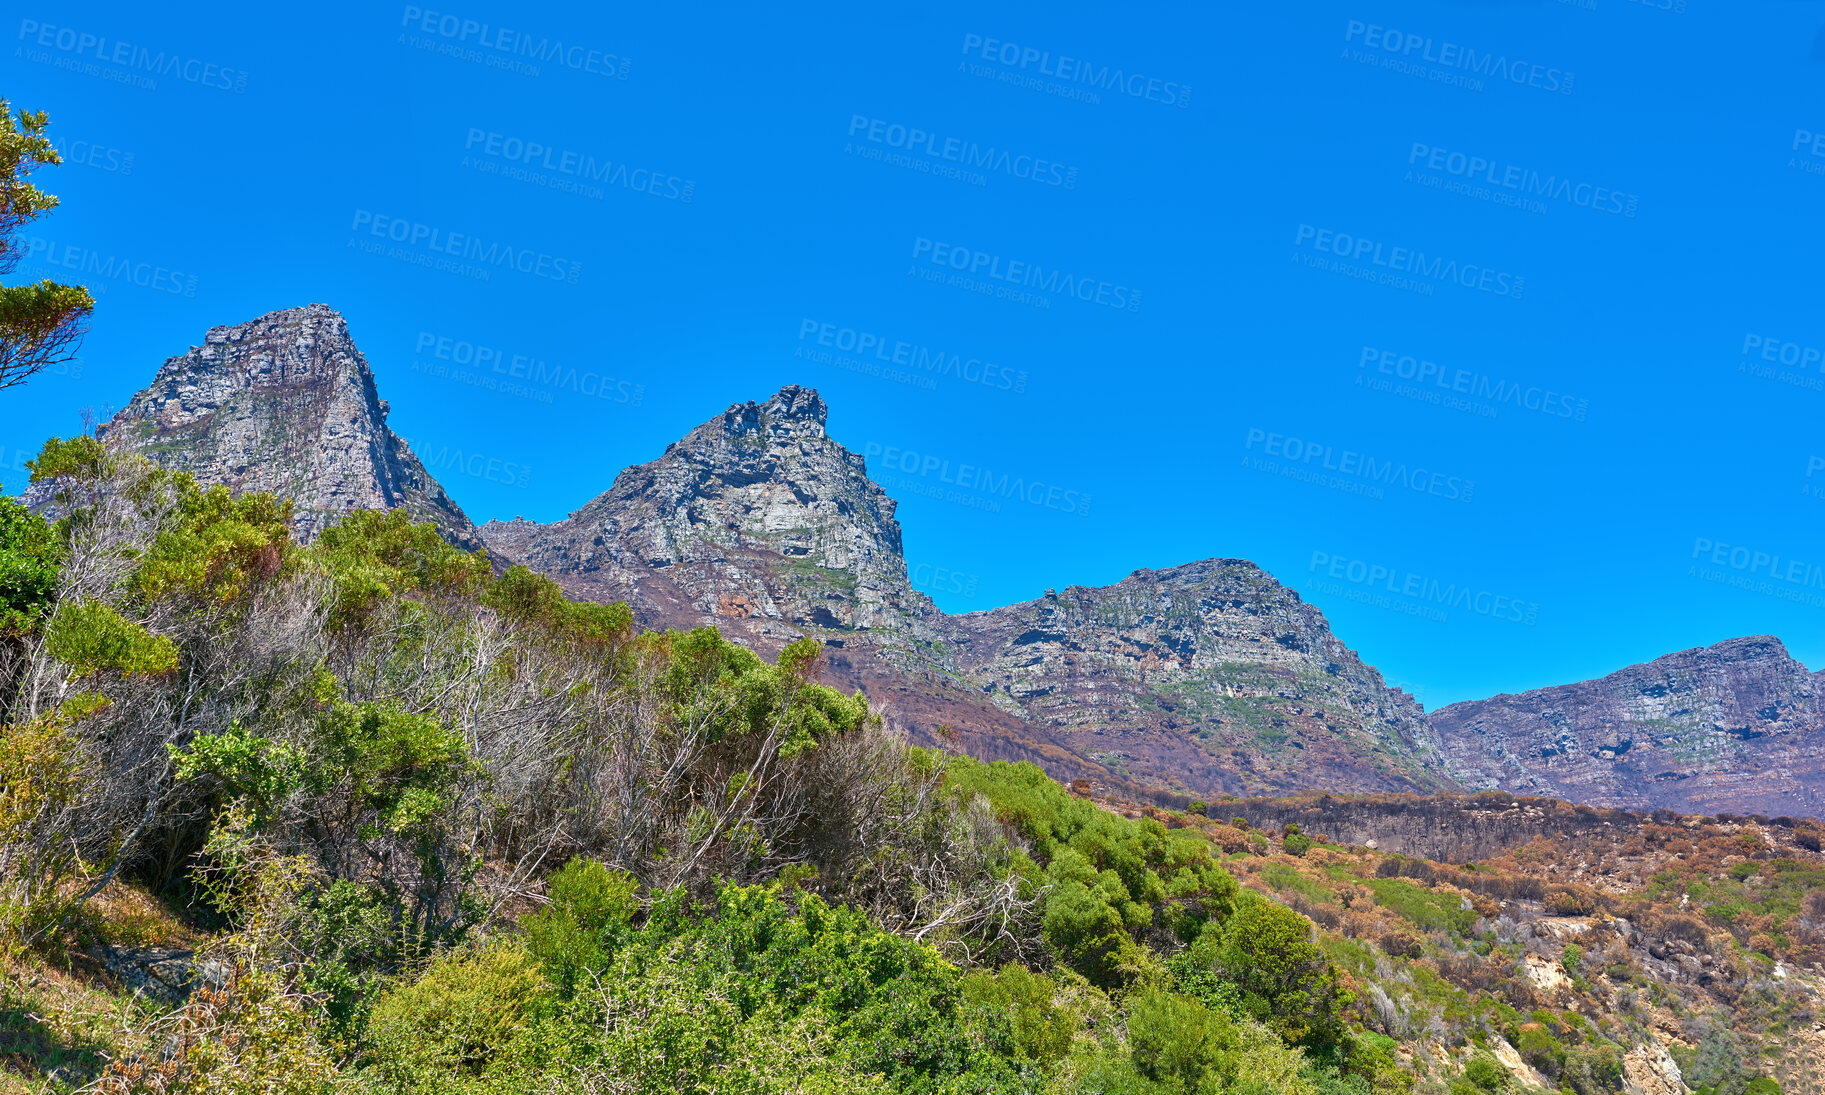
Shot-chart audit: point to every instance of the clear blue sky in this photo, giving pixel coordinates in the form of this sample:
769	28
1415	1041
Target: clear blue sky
1571	217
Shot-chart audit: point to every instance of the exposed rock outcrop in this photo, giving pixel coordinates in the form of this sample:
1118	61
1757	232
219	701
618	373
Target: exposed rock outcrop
1204	678
1446	828
286	403
1736	727
1208	677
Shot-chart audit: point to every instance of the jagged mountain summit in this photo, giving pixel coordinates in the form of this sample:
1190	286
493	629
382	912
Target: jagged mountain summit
756	514
1202	679
1212	671
287	404
1737	727
1205	678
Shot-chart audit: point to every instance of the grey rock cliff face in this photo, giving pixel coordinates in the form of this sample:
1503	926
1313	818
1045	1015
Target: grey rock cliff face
756	515
1204	678
1737	727
1207	676
286	403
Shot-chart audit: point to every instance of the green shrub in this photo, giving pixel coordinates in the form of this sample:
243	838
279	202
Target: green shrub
90	636
1486	1073
591	908
1284	977
29	556
1424	908
1571	958
1593	1069
455	1018
1540	1049
1042	1029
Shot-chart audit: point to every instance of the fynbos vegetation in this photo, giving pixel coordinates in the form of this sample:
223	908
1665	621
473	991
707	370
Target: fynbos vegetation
378	814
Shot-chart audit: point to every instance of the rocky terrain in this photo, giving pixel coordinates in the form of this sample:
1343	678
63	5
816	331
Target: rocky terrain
1736	727
286	403
1205	679
1210	677
1446	828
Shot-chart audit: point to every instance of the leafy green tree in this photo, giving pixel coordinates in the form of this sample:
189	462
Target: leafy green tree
28	569
591	910
42	324
1285	979
465	1009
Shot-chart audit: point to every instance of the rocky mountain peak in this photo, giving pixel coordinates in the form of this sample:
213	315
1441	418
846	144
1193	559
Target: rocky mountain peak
286	403
755	514
1735	727
1206	676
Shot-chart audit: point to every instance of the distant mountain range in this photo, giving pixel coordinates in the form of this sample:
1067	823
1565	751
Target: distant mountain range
1199	680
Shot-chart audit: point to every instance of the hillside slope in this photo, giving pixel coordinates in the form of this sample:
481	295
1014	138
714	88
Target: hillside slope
1737	727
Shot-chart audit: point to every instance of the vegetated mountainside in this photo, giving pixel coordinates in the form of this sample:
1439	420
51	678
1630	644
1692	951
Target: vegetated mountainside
1447	828
291	818
1734	727
1203	678
1683	940
1210	676
285	404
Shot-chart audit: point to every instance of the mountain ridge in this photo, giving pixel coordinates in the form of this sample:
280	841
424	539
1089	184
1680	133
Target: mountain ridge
286	403
1202	679
1687	730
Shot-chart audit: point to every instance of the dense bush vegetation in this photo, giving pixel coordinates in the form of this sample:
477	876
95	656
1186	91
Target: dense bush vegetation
449	830
432	826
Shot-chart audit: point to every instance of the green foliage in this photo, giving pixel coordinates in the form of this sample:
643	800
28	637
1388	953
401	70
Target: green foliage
375	555
590	912
29	559
41	777
453	1020
1571	958
392	771
1424	908
398	768
1284	877
1041	1026
1371	1058
1112	878
39	324
1178	1046
1284	977
1593	1069
1178	1043
522	595
218	546
731	689
1486	1073
1716	1066
1295	842
1540	1049
90	636
767	994
262	771
82	458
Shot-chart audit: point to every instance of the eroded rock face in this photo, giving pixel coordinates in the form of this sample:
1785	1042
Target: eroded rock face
755	515
286	403
1204	678
1446	828
1651	1070
1737	727
1208	677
